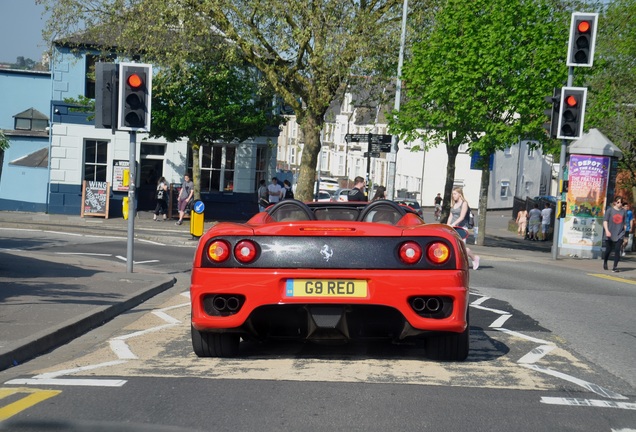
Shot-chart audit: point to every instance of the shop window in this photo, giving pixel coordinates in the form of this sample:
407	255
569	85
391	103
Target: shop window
95	160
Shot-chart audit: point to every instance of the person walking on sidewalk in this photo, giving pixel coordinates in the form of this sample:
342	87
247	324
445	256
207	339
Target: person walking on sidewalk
458	217
161	196
614	230
534	221
186	194
522	222
546	216
629	229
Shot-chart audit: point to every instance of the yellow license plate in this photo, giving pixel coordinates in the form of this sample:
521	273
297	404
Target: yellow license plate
326	288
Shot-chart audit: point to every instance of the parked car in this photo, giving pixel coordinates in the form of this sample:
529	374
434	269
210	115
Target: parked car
341	195
411	203
328	184
331	272
324	195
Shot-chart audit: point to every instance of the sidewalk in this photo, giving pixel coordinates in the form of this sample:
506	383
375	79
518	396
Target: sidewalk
69	295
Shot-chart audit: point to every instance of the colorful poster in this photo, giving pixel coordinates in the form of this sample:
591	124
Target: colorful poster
588	178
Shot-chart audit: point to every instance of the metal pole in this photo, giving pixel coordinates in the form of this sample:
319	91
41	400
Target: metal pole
390	190
564	149
132	209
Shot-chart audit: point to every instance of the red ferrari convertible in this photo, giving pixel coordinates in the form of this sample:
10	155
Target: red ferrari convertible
331	271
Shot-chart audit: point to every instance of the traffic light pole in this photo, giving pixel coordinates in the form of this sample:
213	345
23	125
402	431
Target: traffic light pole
564	149
132	209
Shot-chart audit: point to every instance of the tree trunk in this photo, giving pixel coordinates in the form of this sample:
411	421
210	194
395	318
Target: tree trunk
451	151
196	170
311	126
483	203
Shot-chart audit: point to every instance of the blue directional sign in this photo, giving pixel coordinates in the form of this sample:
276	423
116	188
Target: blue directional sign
199	207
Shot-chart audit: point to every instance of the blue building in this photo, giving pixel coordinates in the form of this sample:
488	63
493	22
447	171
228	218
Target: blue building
75	151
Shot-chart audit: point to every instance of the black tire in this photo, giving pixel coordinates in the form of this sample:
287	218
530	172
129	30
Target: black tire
449	346
207	344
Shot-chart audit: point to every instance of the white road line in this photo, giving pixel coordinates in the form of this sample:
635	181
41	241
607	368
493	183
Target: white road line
587	385
497	311
47	375
536	354
121	349
590	403
83	253
480	300
522	336
500	321
125	259
69	382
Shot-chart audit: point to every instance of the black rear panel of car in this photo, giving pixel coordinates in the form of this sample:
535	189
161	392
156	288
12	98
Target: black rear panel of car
290	252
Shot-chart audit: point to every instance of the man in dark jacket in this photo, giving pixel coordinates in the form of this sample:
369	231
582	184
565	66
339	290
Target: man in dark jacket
357	193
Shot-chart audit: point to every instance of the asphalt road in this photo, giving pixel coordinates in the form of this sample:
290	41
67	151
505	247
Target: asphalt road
551	349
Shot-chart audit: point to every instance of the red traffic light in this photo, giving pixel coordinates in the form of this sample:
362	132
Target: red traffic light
571	101
135	81
584	26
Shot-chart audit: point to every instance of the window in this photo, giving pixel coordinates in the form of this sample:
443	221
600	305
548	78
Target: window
95	160
505	186
530	152
31	120
508	151
217	168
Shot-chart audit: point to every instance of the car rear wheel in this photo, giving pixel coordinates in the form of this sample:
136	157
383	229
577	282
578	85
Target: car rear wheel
207	344
450	346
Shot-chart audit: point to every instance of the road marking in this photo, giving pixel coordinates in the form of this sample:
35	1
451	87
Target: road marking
610	277
69	382
523	336
590	403
587	385
125	259
500	321
83	253
34	396
536	354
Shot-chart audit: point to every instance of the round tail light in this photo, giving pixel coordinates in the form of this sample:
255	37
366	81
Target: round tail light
219	251
245	251
438	253
410	252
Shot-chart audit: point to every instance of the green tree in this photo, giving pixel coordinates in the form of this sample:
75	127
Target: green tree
480	77
4	141
207	103
611	106
306	50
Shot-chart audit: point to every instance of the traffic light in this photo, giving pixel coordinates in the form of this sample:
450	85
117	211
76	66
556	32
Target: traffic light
571	112
135	92
582	39
106	95
552	113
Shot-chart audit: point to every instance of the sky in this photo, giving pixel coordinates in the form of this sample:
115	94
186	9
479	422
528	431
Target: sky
21	30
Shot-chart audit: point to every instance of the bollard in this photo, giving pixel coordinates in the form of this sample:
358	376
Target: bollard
124	207
197	219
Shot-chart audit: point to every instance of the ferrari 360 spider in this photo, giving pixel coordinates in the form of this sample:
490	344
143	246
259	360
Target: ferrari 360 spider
331	271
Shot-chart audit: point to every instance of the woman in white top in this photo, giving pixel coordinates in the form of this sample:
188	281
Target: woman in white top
458	217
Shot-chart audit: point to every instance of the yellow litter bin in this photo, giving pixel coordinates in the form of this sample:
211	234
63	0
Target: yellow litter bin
125	205
197	219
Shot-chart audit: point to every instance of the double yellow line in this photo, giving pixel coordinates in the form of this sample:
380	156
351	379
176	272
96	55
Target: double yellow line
33	396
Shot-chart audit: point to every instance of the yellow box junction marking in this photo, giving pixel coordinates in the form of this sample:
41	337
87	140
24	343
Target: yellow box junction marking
33	396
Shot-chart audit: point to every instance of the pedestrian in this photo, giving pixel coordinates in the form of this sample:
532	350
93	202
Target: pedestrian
263	196
458	217
288	193
614	229
522	222
534	220
357	193
546	214
380	193
629	229
274	191
438	206
161	197
185	195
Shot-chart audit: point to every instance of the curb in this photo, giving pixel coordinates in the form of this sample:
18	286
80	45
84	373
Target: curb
48	340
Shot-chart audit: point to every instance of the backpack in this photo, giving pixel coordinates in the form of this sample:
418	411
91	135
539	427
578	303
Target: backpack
289	194
470	219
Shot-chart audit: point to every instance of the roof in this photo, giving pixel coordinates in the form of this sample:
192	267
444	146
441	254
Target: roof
32	114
